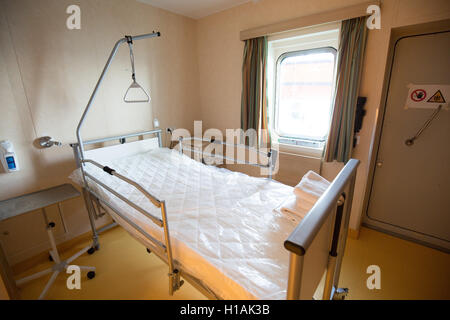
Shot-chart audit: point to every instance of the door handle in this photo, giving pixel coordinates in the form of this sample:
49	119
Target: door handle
409	142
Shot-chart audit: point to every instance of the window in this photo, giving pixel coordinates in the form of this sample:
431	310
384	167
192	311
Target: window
304	89
302	73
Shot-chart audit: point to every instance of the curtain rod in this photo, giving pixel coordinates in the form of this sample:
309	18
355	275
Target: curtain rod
339	14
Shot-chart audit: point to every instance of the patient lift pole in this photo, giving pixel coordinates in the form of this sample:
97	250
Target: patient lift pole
165	249
126	39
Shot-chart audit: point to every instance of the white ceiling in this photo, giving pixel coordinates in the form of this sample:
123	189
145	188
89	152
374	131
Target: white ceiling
194	8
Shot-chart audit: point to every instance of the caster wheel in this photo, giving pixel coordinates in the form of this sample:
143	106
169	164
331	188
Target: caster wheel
91	274
91	251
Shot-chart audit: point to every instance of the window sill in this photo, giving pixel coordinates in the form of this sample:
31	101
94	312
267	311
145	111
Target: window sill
301	150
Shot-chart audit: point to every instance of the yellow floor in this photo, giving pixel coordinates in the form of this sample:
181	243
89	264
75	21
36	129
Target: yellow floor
126	271
408	270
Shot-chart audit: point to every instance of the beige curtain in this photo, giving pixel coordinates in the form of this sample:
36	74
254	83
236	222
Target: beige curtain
350	61
254	89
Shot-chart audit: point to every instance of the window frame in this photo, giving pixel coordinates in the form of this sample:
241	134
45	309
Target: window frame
307	141
317	36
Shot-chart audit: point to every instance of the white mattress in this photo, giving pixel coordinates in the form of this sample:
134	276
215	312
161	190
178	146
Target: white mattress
223	227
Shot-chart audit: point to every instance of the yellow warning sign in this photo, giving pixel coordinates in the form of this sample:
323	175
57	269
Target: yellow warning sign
437	98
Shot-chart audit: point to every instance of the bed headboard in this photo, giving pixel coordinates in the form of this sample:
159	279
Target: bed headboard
123	149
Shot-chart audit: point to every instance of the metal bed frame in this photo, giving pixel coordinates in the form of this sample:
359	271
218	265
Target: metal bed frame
335	203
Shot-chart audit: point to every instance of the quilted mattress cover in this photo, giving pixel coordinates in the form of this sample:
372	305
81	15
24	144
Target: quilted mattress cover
223	226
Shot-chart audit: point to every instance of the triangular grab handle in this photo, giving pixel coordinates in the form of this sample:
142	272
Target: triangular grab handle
134	84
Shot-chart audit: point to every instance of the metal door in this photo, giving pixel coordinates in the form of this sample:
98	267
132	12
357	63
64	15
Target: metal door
410	194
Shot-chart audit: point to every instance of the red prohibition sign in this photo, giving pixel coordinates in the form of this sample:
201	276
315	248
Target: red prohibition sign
418	95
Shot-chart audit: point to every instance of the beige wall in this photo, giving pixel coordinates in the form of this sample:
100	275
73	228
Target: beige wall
220	60
48	72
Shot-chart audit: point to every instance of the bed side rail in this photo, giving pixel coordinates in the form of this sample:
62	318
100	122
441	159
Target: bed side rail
336	198
155	201
174	275
272	154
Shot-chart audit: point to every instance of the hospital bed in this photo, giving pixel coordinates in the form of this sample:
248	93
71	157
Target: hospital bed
215	228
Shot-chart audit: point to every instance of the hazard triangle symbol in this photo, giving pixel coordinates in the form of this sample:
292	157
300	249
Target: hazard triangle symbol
437	98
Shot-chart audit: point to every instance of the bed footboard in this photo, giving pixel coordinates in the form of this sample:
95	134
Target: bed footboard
317	244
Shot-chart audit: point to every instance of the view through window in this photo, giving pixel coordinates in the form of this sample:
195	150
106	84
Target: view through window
304	92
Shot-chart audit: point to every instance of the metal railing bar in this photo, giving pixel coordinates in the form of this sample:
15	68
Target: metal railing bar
156	202
294	276
125	136
146	36
227	158
154	219
227	144
131	223
107	227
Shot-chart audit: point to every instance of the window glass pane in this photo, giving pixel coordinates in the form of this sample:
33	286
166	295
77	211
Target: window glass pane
305	88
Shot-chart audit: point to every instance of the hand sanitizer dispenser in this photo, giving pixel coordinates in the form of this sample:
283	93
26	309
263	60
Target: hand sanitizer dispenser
8	156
